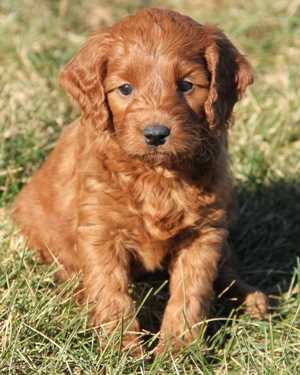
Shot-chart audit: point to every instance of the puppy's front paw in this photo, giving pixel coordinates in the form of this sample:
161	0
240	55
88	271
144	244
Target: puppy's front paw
257	305
175	344
176	337
170	343
119	333
132	344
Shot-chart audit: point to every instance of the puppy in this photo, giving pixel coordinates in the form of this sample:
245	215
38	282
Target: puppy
141	180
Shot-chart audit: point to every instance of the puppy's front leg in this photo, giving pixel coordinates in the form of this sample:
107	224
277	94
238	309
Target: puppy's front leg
192	275
105	265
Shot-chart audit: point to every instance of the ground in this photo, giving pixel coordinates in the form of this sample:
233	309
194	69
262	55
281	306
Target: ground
42	331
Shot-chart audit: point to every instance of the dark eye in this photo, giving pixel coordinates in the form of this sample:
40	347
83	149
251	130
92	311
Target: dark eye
125	89
184	86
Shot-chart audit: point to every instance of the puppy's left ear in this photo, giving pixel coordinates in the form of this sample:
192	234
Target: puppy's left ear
83	76
230	73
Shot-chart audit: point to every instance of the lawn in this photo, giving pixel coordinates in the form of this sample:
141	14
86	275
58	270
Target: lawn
42	331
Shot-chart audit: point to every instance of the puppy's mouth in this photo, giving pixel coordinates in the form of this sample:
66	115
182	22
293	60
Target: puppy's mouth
157	157
174	159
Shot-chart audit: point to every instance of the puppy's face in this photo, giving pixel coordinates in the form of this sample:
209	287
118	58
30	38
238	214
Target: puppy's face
156	96
163	85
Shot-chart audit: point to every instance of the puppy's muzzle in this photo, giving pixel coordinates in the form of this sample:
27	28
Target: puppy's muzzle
156	134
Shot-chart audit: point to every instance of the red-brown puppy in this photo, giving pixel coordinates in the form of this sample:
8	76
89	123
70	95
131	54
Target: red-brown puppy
142	177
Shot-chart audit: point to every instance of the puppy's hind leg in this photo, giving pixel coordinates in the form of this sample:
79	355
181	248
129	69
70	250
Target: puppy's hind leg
230	284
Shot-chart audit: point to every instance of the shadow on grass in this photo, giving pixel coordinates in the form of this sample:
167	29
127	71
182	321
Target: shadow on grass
266	234
265	237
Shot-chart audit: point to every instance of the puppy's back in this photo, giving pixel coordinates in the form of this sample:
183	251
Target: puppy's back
45	208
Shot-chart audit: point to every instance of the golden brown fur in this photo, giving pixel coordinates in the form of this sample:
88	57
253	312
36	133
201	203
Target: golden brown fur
105	204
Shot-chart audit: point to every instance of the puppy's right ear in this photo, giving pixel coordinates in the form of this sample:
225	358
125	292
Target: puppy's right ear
83	76
230	73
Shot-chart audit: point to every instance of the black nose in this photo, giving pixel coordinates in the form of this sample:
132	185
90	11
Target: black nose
156	135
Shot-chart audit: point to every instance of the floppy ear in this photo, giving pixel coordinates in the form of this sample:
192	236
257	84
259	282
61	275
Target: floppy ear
230	74
83	76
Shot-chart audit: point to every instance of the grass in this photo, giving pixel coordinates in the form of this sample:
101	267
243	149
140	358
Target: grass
41	330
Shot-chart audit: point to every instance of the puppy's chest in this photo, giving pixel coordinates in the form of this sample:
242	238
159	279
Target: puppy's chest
166	206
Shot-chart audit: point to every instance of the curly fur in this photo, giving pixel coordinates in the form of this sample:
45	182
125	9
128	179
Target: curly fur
104	204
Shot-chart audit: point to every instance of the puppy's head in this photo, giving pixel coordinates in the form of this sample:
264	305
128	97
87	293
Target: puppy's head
163	85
